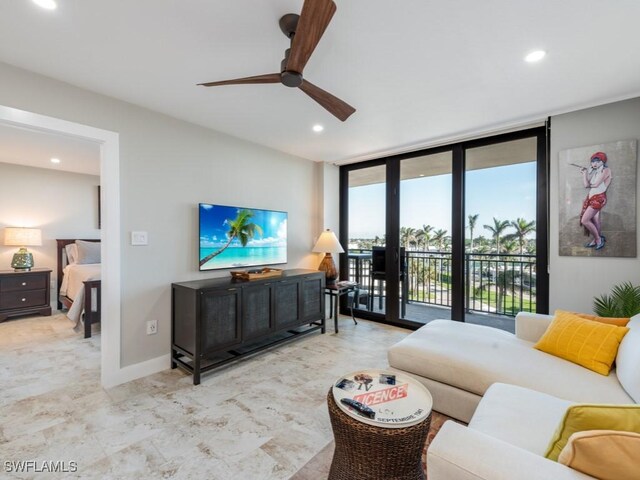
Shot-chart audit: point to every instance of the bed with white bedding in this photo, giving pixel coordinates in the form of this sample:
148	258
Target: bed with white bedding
79	285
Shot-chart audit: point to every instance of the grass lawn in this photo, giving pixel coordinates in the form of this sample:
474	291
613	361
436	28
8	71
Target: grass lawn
510	304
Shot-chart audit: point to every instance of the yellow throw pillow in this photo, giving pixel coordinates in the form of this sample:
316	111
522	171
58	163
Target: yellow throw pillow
618	322
579	418
591	344
604	454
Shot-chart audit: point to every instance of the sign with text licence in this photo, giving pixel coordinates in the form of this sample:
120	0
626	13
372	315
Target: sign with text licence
390	399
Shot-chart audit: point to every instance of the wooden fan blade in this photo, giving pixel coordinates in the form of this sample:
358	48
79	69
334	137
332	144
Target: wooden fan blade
334	105
269	78
314	18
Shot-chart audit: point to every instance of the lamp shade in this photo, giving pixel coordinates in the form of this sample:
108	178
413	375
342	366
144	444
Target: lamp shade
328	243
22	237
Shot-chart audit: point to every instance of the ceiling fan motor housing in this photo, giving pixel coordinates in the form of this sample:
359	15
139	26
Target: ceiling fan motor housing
288	25
289	78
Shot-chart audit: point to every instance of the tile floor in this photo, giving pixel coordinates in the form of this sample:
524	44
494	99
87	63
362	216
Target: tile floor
260	418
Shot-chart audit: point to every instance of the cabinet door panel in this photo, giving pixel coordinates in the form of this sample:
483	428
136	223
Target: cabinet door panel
286	304
312	299
256	311
220	317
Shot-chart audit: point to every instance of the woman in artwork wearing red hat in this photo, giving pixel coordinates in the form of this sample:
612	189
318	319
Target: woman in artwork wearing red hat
597	180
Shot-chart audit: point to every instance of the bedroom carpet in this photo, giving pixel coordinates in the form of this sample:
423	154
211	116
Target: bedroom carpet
262	418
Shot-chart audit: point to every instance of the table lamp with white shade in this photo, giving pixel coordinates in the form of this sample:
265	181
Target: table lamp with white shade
22	237
328	243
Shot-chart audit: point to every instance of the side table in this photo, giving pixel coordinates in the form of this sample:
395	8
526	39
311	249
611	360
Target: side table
366	452
336	291
386	442
25	292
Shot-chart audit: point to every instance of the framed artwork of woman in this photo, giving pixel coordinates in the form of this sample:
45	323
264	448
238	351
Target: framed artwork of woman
597	186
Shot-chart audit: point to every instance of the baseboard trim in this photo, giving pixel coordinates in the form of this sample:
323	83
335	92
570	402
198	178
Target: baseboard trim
137	370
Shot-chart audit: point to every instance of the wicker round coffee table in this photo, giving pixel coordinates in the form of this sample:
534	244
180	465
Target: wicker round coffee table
370	452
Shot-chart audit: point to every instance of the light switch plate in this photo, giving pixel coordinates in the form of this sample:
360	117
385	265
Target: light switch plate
139	238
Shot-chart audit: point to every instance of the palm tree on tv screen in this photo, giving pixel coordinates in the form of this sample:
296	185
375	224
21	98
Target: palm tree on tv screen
241	228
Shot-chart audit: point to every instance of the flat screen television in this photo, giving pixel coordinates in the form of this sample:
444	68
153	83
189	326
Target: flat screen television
238	237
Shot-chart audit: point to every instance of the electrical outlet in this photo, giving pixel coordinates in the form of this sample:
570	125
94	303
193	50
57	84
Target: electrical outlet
152	327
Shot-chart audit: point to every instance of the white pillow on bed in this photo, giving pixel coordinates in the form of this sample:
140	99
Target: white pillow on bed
72	253
88	252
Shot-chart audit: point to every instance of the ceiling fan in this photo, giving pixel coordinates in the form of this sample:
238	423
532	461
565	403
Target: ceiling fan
305	31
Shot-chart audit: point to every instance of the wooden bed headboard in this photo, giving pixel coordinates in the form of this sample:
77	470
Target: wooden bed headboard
61	257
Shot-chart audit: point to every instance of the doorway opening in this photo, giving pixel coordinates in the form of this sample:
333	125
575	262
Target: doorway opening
108	142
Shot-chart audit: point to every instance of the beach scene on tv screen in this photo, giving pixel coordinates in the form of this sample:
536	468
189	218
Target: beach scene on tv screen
234	237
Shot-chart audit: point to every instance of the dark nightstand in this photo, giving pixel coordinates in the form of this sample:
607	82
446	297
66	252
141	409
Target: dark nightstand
24	293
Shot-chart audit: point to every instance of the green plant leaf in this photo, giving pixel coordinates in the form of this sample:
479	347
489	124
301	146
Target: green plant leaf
624	301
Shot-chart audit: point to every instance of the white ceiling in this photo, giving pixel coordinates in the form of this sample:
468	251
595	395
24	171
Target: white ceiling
417	71
34	148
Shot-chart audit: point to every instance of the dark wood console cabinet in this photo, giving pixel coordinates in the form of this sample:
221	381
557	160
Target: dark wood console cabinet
218	320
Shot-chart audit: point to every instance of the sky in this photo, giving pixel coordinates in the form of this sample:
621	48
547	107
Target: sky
213	229
506	193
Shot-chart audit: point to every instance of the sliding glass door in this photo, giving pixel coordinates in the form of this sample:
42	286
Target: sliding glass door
500	241
456	232
425	237
367	236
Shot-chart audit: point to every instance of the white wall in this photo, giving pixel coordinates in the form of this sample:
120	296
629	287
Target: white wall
575	281
167	166
328	185
61	204
331	197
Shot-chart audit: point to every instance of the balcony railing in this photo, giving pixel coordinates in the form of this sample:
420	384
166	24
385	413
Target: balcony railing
499	284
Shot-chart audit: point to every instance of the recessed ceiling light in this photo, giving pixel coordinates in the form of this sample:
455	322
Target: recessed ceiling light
318	128
47	4
55	160
421	175
535	56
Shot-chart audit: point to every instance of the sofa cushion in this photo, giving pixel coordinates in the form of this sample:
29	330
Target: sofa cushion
580	418
619	322
628	360
593	345
604	454
520	416
531	326
472	357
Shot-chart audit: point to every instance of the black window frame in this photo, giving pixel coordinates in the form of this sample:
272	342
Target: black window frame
458	221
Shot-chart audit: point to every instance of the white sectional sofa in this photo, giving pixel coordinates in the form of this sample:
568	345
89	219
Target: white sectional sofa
506	439
458	362
512	395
